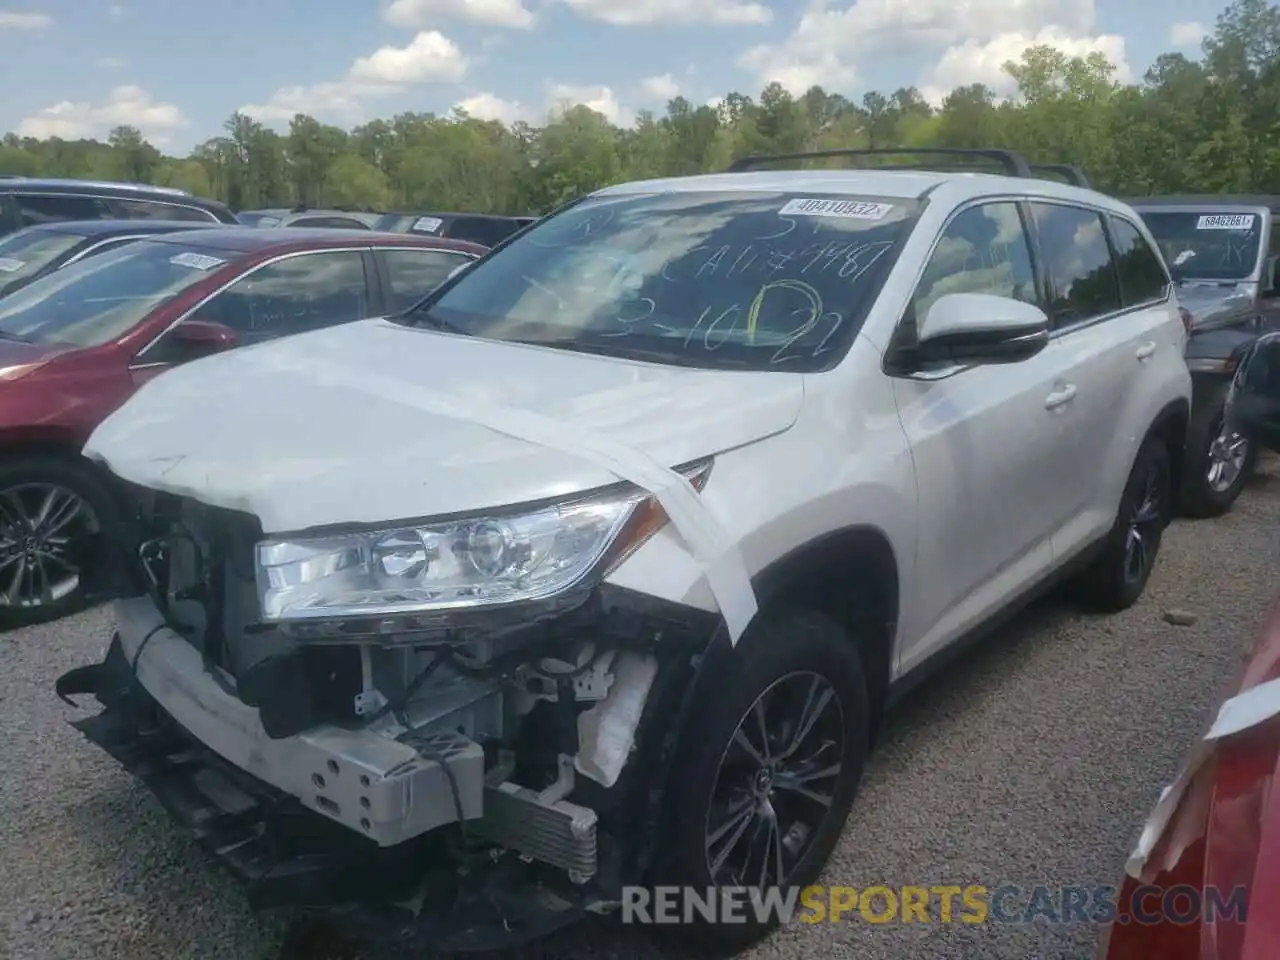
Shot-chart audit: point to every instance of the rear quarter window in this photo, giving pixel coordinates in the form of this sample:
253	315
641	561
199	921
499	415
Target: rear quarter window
1139	268
128	209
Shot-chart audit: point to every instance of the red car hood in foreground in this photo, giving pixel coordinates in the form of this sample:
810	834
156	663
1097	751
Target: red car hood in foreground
1221	837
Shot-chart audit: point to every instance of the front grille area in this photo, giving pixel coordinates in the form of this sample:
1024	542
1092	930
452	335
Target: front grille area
197	564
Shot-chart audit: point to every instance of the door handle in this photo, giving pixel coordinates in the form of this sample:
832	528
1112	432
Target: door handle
1145	351
1059	397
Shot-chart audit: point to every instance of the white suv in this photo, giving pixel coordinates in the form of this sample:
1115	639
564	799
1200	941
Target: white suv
599	566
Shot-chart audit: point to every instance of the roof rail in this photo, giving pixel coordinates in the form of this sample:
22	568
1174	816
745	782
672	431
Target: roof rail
1069	172
1013	163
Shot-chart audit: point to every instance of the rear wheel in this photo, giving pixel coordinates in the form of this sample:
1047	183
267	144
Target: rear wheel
767	776
49	507
1116	578
1218	460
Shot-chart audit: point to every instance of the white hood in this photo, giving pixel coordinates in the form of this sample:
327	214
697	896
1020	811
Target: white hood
329	427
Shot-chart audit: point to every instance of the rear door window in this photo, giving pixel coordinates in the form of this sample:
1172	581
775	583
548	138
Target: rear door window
35	209
1077	258
1141	272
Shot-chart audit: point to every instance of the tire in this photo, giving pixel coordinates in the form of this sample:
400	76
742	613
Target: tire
787	657
25	483
1115	580
1203	495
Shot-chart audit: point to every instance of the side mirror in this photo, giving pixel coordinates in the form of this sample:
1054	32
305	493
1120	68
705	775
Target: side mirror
1268	284
199	338
973	328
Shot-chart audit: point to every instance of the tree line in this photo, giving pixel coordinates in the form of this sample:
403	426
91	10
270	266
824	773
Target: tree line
1206	124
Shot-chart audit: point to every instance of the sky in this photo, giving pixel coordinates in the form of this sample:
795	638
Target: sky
77	68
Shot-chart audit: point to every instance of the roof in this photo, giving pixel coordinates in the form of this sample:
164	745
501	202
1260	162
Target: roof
259	240
55	183
444	214
1210	200
108	228
897	184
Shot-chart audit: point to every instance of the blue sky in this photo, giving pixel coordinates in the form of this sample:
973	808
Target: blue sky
176	71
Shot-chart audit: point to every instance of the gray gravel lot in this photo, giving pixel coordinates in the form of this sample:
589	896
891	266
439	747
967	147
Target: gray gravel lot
1033	762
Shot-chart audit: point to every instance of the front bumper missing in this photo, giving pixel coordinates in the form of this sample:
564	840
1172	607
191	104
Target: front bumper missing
412	894
373	785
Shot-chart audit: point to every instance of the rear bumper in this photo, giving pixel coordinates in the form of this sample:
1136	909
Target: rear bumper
289	855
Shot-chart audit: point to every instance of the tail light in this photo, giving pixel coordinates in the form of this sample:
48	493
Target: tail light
1187	319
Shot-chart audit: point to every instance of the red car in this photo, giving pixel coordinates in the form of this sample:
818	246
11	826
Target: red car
1206	874
74	345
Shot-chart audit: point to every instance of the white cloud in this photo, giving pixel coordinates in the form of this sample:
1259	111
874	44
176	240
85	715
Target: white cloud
558	96
660	88
1187	35
112	63
124	106
966	37
637	12
422	13
430	57
488	106
17	20
598	98
983	62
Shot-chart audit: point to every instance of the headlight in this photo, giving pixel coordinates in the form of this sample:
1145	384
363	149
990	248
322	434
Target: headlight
454	564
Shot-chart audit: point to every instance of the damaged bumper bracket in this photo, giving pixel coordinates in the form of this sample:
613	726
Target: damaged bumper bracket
373	785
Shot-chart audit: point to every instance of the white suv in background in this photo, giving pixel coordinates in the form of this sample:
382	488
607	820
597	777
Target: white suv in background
600	566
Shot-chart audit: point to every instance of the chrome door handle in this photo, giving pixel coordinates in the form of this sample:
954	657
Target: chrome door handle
1145	351
1059	397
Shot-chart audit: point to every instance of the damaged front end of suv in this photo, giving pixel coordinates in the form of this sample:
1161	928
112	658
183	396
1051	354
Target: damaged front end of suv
448	731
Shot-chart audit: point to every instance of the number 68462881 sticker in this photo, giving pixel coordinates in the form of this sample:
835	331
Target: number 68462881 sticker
844	209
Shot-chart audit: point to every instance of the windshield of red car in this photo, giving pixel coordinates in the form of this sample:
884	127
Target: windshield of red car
27	252
95	301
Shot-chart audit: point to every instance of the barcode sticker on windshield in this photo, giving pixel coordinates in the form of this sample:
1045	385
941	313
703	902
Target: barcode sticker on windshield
1223	221
199	261
845	209
10	265
426	225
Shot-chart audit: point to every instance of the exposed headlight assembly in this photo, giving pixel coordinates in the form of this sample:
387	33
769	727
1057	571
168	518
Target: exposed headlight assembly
456	564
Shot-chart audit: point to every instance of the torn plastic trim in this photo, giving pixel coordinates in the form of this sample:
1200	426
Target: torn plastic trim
1241	712
701	531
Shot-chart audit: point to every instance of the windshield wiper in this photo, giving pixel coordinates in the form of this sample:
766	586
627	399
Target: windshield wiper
425	318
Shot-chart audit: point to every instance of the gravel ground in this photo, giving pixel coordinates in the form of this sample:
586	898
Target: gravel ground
1032	763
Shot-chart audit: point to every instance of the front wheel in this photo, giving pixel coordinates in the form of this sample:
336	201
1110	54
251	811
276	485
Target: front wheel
49	506
1117	577
768	772
1218	460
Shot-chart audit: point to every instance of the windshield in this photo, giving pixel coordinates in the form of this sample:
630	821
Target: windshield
407	223
759	281
1207	244
97	300
27	252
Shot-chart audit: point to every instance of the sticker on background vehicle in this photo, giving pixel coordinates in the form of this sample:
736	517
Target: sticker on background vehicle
848	209
426	225
10	265
1223	221
197	260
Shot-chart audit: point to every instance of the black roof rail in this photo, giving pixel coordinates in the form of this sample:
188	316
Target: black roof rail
1069	172
1013	163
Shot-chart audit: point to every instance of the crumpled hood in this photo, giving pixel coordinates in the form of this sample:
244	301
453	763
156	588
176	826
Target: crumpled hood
1213	306
332	426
